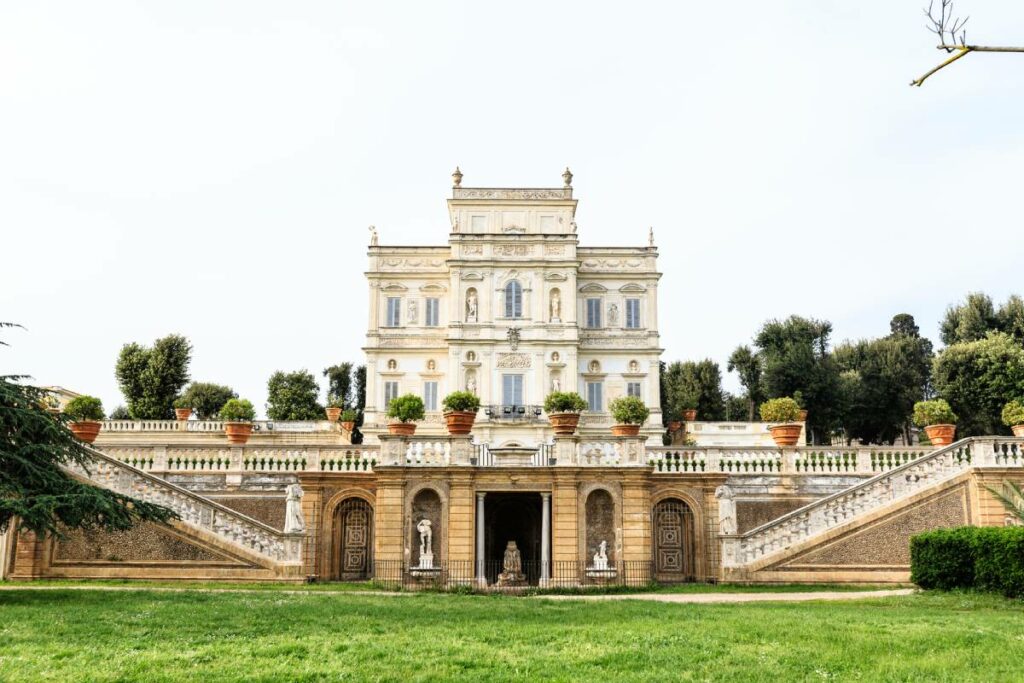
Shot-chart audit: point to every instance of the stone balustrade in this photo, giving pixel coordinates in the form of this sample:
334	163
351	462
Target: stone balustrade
201	426
857	460
194	510
915	474
237	459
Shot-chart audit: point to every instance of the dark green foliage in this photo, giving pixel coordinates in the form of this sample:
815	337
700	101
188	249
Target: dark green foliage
737	408
406	408
151	378
695	385
978	378
237	410
986	558
292	396
564	402
206	399
359	394
461	401
339	385
84	408
629	410
977	316
745	363
120	413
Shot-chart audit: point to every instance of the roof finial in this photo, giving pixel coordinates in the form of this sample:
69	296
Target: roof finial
457	178
650	236
567	177
373	236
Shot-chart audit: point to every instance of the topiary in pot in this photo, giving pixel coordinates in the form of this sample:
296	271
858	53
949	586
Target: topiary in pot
85	413
405	409
460	411
938	420
348	419
237	415
563	409
785	413
629	413
334	408
1013	417
182	408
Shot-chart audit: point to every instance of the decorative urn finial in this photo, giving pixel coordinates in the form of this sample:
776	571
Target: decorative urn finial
457	178
567	177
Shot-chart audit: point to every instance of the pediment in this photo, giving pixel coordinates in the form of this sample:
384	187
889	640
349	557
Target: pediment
593	287
472	277
394	287
433	288
632	288
556	277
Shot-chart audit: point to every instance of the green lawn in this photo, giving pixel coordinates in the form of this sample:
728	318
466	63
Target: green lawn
72	635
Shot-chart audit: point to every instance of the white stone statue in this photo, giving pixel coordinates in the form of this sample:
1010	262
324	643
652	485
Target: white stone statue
726	511
556	307
373	236
613	315
471	384
426	544
601	557
556	383
413	310
294	522
650	237
471	308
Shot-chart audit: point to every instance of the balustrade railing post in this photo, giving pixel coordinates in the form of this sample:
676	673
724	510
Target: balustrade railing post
714	460
313	460
863	465
160	459
565	449
461	449
236	464
392	449
983	453
787	460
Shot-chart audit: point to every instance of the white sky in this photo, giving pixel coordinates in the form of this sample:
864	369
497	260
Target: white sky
210	168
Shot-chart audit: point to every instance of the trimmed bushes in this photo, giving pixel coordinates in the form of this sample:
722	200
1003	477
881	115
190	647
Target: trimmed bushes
985	558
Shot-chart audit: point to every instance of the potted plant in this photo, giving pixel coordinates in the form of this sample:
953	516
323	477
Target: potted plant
334	408
406	409
938	420
563	409
237	415
798	396
348	419
460	411
1013	417
85	413
785	413
182	409
629	413
673	421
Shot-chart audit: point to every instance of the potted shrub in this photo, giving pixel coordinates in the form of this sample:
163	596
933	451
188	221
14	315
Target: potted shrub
182	409
1013	417
799	398
938	421
334	408
563	409
673	421
460	411
85	413
348	419
406	409
629	413
785	413
237	415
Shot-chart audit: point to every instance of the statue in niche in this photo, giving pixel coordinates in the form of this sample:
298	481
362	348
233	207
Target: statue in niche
613	315
556	307
471	384
601	557
373	236
426	544
555	357
634	366
431	365
512	567
294	522
413	310
556	383
726	511
471	307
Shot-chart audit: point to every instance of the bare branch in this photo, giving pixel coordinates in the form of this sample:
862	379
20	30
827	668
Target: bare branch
952	36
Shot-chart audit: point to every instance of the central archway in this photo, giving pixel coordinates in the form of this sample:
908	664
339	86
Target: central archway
513	517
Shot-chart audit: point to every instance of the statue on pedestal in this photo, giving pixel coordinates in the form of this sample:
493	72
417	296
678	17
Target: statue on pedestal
601	558
426	544
726	511
556	307
294	522
471	307
512	567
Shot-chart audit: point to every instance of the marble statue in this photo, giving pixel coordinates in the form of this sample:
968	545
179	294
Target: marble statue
556	383
294	522
373	236
613	315
601	557
512	567
556	308
413	310
650	237
726	511
471	384
426	544
471	306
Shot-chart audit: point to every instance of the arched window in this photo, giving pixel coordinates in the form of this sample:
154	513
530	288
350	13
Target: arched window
513	299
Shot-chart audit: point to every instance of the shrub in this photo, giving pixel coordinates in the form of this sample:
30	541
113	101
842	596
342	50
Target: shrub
348	416
629	410
335	402
999	560
182	402
406	408
120	413
986	558
205	399
84	408
780	410
1013	413
237	410
564	402
461	402
937	412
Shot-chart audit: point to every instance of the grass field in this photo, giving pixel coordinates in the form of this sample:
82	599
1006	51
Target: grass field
79	635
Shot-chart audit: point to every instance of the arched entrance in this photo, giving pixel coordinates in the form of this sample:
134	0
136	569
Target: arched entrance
673	525
353	549
513	517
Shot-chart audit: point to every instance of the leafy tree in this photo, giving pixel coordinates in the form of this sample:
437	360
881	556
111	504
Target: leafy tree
206	399
695	385
359	400
120	413
35	488
339	385
1011	318
970	320
978	378
292	396
151	378
745	363
795	357
737	408
905	325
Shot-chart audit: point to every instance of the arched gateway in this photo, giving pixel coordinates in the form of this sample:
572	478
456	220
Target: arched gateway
674	556
353	548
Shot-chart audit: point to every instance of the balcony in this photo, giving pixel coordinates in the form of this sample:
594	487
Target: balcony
513	413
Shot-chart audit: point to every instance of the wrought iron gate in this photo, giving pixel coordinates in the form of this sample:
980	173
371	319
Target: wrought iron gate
674	542
354	550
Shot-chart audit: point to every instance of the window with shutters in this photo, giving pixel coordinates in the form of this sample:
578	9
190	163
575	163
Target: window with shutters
394	311
390	392
633	314
430	395
633	389
595	391
512	390
513	300
593	313
432	314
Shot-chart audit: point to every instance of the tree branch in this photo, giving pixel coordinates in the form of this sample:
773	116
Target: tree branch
962	50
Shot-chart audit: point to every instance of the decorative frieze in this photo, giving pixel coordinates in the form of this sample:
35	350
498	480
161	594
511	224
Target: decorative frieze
511	193
395	342
513	249
513	360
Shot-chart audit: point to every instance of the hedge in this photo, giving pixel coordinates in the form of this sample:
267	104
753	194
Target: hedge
986	558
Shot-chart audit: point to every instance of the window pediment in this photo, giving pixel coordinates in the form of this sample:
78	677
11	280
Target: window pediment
593	288
632	288
394	287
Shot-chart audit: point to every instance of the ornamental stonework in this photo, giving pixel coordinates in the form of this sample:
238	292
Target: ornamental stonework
509	193
513	249
513	360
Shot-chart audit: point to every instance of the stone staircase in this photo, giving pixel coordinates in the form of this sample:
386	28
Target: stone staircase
770	545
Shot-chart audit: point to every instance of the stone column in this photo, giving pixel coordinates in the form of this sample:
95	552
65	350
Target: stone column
481	575
545	538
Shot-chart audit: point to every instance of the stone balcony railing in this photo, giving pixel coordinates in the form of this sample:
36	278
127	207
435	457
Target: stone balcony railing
160	459
857	460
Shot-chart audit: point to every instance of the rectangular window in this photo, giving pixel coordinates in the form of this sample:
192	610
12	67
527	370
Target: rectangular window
390	392
430	395
512	390
633	314
595	401
633	389
394	311
593	313
432	313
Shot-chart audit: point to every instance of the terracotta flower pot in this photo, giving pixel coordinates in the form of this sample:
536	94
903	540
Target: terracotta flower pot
690	414
940	435
86	430
802	417
460	422
674	425
182	413
238	432
1018	430
348	425
564	424
333	414
786	434
402	428
625	430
